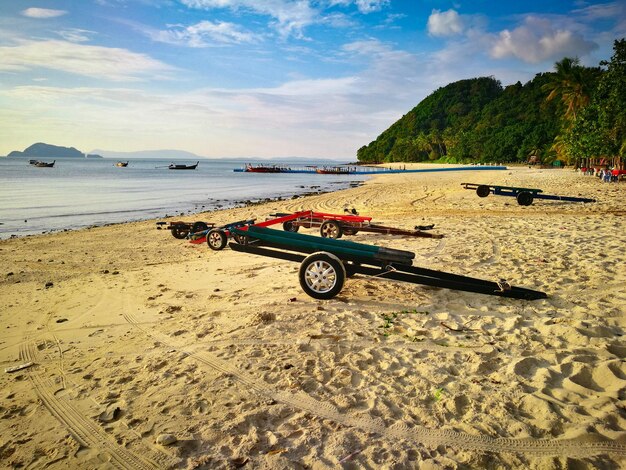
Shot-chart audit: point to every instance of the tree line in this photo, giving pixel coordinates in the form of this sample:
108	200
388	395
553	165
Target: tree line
568	114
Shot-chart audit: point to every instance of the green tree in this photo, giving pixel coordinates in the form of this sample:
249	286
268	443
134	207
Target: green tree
573	84
600	129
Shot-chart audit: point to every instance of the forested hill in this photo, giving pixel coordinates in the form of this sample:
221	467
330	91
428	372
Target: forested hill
471	120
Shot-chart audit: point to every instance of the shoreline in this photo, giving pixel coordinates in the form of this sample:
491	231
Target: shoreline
305	191
138	338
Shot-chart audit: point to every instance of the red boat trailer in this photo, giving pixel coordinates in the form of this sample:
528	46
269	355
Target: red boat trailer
337	225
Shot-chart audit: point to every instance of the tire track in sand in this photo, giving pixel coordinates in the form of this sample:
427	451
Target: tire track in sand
418	434
84	431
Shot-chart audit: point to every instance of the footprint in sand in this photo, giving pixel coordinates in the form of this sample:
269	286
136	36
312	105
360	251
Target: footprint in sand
529	366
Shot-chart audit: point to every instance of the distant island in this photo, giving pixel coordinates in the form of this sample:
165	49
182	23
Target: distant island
41	150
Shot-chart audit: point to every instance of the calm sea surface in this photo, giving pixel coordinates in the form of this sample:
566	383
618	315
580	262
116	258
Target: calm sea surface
81	193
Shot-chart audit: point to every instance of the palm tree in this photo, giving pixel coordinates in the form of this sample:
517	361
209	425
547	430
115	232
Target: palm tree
560	149
573	84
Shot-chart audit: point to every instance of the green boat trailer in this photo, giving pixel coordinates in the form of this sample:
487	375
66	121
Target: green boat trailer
325	263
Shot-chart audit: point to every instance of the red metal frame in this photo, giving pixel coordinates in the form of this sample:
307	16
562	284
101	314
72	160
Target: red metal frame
309	219
354	223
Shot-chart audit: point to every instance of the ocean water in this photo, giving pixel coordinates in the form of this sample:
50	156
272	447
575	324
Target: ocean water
82	193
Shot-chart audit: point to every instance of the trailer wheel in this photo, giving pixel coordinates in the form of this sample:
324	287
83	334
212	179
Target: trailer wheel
524	198
350	231
199	227
331	229
180	233
216	239
322	275
483	190
289	226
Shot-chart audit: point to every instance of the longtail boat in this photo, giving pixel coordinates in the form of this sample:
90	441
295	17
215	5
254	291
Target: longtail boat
41	164
173	166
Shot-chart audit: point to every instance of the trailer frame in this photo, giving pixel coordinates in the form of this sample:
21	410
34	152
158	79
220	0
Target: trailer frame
337	225
325	263
524	196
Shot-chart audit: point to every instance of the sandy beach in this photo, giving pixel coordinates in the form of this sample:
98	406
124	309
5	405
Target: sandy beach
139	350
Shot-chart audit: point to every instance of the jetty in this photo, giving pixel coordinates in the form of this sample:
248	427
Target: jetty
358	170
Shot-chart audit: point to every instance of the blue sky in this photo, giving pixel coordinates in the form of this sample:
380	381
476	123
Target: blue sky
246	78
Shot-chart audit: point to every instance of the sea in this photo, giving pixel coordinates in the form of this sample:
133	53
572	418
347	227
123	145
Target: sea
78	193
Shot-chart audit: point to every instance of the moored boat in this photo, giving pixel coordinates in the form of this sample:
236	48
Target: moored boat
173	166
41	164
265	169
122	164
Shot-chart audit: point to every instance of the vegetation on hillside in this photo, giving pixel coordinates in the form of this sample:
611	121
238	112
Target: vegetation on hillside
568	114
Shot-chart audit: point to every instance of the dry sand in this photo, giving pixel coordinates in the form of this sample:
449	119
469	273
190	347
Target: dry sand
136	339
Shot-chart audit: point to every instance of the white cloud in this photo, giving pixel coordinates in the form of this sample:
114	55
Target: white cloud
602	11
537	40
447	23
366	47
364	6
92	61
369	6
333	116
289	18
43	13
204	34
75	34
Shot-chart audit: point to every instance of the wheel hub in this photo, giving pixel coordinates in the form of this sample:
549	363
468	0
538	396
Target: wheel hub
320	276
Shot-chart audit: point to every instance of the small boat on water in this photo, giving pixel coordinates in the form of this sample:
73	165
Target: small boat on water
334	170
122	164
41	164
173	166
265	169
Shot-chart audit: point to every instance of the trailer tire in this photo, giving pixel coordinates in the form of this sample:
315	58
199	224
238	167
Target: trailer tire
180	233
199	227
483	190
289	226
216	239
322	275
350	231
524	198
331	229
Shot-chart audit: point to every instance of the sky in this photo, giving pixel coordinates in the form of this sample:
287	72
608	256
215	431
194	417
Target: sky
273	78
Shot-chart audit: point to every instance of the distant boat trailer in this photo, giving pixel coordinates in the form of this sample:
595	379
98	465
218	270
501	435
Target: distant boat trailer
524	196
182	230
